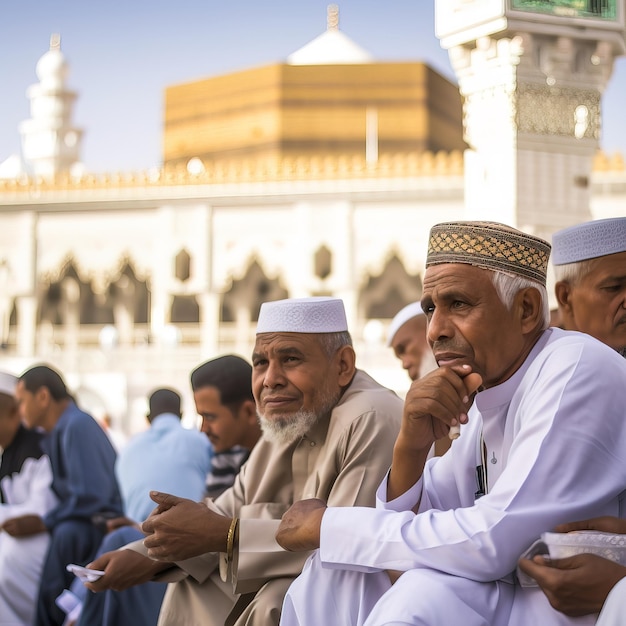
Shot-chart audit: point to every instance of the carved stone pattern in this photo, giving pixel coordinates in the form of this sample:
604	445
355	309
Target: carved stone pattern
479	113
545	110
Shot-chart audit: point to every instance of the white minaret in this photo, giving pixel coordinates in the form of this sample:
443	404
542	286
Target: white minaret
50	143
531	75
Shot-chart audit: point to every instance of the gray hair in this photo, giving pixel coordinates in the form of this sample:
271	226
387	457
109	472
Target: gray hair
331	342
573	273
508	286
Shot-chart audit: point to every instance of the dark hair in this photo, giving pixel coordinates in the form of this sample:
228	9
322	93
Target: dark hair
164	400
230	374
44	376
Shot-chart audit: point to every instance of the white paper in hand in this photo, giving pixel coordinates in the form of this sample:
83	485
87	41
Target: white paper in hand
85	574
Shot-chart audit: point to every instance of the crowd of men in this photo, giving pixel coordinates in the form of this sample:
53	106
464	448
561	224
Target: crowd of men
314	495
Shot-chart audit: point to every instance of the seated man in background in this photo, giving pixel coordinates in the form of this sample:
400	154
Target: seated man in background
328	432
25	489
166	457
543	441
83	480
222	392
407	337
590	267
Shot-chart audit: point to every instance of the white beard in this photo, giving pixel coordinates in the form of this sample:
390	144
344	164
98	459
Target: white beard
292	427
288	429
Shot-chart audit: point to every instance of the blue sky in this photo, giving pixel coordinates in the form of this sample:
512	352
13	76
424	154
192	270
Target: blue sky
122	55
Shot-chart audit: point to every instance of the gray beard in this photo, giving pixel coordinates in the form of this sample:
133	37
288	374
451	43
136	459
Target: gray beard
292	427
622	351
288	429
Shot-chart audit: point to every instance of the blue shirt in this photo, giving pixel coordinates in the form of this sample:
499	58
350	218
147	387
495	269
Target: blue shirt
168	458
82	460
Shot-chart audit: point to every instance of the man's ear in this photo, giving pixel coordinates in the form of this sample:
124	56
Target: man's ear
563	292
346	360
531	310
248	411
43	395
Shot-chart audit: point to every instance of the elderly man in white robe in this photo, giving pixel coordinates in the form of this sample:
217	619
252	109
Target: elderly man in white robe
590	266
25	479
543	441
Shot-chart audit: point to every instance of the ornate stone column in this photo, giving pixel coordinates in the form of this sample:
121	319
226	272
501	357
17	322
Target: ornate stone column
532	76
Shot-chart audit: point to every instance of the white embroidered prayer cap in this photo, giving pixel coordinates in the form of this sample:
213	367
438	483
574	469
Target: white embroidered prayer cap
589	240
401	318
8	383
317	314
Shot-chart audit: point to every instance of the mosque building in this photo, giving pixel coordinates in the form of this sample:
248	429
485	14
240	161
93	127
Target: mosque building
317	176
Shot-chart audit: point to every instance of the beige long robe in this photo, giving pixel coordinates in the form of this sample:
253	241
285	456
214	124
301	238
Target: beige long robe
342	461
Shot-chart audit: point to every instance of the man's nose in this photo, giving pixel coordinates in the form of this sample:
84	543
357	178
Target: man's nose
274	375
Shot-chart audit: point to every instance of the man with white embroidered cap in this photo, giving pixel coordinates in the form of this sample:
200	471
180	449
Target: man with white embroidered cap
543	441
25	489
328	432
590	268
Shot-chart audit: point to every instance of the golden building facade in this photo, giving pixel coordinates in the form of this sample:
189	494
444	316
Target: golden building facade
307	111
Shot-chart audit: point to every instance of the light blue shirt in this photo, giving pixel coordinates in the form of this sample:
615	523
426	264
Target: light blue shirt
168	458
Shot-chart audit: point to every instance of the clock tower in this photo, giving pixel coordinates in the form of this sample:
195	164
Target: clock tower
531	74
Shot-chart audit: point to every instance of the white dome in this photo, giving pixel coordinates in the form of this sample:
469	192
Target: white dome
52	67
331	47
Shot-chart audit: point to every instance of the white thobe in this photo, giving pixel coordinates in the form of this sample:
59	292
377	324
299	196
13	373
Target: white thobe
555	435
614	610
21	558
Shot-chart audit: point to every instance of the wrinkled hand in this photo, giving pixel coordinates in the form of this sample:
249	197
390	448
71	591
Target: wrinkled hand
300	525
180	529
24	526
606	524
433	404
123	569
577	585
436	402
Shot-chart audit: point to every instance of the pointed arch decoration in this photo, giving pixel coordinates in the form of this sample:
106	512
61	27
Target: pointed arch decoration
125	289
68	292
250	292
382	296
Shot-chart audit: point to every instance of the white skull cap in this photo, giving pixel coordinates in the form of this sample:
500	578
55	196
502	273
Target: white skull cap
317	314
589	240
8	383
401	318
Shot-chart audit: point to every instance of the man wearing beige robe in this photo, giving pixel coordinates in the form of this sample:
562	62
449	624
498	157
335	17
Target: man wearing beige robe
329	431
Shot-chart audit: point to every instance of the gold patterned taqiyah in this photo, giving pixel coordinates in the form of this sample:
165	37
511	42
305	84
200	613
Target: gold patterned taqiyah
491	245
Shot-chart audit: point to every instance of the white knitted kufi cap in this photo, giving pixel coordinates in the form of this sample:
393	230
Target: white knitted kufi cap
317	314
401	318
8	383
589	240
